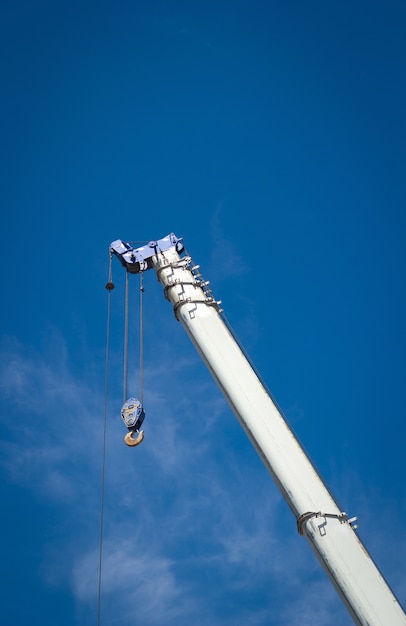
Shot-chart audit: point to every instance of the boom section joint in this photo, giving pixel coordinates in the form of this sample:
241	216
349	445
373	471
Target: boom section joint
184	284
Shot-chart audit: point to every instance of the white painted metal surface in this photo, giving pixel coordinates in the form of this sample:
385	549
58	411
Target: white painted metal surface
330	534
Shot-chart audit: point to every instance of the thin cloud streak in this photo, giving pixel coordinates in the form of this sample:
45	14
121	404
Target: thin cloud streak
137	584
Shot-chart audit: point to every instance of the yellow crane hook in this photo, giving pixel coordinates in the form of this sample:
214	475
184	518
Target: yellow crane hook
134	442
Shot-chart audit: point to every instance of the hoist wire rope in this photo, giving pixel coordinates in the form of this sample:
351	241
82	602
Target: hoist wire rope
125	372
126	327
141	341
109	287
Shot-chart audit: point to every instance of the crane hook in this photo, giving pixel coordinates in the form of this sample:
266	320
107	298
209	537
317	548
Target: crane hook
134	442
133	414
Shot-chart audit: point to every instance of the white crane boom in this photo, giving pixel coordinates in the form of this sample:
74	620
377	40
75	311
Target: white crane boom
328	530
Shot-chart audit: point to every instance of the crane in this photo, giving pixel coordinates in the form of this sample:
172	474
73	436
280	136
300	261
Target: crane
330	532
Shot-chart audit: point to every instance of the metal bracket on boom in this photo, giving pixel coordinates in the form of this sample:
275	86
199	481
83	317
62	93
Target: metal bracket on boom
187	263
342	517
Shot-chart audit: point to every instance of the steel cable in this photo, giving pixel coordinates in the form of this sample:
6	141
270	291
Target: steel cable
141	343
109	287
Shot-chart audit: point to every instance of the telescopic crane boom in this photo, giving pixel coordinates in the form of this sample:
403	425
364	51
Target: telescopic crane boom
328	530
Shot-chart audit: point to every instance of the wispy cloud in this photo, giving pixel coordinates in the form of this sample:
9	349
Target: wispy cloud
139	586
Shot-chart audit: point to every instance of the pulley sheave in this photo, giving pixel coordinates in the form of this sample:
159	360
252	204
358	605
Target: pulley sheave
133	415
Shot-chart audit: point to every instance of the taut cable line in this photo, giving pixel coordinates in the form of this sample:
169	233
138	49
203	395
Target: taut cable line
125	373
109	287
141	342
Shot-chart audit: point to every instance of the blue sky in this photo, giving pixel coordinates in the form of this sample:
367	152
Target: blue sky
271	136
